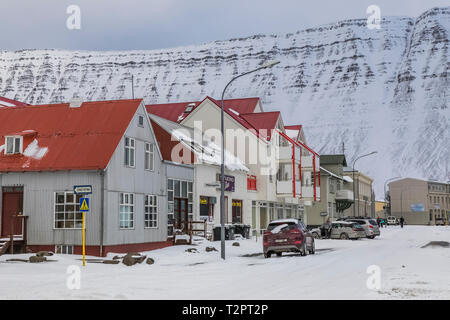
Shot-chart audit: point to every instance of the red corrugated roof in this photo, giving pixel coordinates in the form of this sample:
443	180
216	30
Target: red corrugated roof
81	138
173	111
5	102
166	144
263	122
241	110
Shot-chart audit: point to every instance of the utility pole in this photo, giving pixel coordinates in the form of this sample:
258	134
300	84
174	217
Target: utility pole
132	86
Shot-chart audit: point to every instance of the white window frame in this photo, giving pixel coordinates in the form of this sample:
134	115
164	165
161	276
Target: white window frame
130	149
149	156
139	119
64	249
127	200
151	216
14	139
65	203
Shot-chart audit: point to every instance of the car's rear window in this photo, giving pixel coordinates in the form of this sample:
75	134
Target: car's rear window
373	222
274	225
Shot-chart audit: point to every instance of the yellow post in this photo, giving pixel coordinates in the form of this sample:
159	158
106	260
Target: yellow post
84	238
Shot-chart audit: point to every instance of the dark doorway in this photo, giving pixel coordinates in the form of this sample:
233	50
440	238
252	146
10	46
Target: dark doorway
180	208
12	205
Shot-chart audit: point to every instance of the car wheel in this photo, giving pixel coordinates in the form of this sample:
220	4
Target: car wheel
267	255
344	236
315	235
304	250
313	248
279	254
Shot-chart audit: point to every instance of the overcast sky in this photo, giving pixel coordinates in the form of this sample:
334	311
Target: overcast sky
152	24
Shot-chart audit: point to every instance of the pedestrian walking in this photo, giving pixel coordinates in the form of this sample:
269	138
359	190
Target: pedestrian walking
378	221
402	221
327	228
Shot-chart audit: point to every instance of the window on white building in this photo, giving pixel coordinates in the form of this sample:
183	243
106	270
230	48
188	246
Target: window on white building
67	211
130	151
64	249
126	211
149	156
151	211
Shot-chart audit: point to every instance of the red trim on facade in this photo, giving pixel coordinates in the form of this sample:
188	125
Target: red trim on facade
119	248
293	171
314	174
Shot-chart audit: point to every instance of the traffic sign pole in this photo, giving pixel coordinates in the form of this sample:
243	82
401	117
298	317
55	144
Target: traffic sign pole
84	239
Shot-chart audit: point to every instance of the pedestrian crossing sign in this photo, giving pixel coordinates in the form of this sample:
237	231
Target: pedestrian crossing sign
84	204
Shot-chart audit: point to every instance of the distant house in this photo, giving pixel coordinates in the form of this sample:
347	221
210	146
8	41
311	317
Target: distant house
420	201
336	191
46	150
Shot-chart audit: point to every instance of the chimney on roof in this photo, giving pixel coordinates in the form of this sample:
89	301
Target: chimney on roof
75	102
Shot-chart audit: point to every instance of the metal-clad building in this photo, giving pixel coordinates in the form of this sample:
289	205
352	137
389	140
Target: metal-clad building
109	145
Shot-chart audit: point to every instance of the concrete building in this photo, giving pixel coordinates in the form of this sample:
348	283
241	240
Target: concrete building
419	201
109	145
336	191
364	196
280	190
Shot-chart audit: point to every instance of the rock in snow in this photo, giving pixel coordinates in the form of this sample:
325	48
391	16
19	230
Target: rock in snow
386	90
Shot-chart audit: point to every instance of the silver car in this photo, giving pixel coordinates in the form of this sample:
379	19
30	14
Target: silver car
370	226
346	230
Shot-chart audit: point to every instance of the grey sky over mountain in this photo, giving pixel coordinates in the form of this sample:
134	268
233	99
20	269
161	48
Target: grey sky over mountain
152	24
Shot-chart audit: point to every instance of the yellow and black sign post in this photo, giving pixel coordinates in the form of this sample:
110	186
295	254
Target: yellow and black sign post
84	207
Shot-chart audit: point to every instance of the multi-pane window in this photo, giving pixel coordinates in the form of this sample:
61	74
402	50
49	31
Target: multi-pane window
13	145
67	211
140	121
149	156
126	211
151	211
130	150
64	249
178	189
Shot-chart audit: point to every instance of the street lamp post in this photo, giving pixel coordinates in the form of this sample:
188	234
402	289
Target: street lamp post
353	174
269	64
385	195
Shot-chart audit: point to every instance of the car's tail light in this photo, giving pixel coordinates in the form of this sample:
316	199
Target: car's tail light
371	226
296	231
265	243
298	241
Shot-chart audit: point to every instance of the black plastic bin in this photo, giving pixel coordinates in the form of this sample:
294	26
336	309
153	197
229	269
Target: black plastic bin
229	232
243	230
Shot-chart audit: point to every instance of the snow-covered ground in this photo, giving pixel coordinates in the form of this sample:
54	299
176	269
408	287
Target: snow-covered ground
338	270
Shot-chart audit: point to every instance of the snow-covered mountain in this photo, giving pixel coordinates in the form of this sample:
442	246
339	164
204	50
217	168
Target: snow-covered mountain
386	90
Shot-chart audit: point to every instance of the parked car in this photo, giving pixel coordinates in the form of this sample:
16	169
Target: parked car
391	220
370	226
347	230
287	235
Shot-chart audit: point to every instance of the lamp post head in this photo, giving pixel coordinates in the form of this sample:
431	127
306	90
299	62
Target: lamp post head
270	64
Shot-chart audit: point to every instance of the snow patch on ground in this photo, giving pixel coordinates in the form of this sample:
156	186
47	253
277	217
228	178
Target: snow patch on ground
338	270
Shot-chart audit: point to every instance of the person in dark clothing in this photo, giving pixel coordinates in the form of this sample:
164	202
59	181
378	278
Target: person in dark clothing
378	221
402	221
327	228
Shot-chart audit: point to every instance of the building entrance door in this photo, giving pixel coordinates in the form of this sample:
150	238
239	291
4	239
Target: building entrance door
180	208
12	204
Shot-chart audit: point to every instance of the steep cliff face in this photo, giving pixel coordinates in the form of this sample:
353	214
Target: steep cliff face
386	90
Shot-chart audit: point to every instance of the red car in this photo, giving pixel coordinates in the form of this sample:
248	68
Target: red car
287	235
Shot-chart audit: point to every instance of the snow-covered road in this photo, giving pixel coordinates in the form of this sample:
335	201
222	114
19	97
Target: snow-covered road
337	271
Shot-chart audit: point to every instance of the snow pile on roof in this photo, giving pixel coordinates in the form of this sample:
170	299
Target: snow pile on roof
284	221
347	178
34	151
208	152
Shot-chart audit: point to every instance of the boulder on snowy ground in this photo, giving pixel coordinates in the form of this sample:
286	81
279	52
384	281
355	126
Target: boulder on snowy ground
44	253
131	259
111	261
150	261
191	250
209	249
236	244
36	259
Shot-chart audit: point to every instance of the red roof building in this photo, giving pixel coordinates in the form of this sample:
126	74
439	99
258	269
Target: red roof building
59	137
